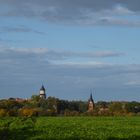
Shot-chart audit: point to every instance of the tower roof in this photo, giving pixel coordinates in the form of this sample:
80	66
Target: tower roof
42	88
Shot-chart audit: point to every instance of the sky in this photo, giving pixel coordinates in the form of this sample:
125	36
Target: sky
71	47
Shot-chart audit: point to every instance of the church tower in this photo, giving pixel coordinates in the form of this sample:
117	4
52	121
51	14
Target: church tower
90	104
42	92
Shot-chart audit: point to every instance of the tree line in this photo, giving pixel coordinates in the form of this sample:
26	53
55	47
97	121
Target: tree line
52	106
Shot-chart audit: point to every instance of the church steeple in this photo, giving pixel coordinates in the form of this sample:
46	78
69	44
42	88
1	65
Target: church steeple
91	103
42	92
91	99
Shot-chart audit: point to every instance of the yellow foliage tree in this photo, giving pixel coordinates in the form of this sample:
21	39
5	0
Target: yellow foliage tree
27	112
3	112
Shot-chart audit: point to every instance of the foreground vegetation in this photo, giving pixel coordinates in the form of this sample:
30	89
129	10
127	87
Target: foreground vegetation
69	128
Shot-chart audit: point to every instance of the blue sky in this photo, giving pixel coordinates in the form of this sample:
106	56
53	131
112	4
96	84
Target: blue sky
70	47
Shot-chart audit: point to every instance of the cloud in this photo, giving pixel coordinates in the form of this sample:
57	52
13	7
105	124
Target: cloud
49	55
19	60
26	73
117	22
89	12
96	5
25	58
25	69
19	29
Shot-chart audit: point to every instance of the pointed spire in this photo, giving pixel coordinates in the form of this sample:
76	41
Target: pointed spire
91	99
90	103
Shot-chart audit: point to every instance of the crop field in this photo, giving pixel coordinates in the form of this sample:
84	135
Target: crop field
70	128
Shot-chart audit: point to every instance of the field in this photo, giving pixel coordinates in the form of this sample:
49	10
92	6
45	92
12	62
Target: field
70	128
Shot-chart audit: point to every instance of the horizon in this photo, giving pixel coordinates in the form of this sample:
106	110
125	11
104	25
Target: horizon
85	100
70	47
95	101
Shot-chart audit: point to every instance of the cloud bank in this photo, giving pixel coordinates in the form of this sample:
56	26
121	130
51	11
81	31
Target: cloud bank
83	12
30	67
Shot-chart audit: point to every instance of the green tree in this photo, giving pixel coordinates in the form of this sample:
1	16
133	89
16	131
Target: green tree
116	108
133	107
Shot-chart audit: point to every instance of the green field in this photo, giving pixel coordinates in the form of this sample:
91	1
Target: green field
69	128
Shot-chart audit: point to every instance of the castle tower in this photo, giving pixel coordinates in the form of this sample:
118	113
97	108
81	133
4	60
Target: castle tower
90	104
42	93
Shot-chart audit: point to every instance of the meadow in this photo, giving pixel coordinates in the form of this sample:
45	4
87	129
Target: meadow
70	128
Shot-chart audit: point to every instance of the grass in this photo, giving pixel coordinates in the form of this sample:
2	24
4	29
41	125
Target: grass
70	128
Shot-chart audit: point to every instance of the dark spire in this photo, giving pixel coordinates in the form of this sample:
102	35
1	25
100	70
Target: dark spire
91	99
42	88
